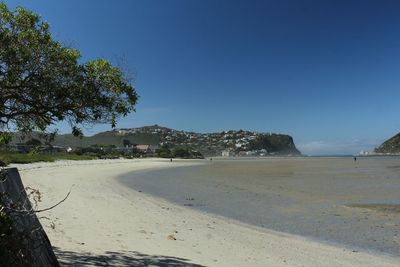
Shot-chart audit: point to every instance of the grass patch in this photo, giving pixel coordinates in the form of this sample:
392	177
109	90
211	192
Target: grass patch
9	157
74	157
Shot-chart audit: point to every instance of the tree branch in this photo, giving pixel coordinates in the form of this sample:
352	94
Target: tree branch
52	207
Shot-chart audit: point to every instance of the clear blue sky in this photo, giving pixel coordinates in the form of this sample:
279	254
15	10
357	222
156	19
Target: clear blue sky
325	72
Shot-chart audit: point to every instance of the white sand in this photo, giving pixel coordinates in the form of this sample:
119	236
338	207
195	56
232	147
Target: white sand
102	221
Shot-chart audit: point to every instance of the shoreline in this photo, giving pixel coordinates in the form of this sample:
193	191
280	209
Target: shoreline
255	227
268	231
289	196
103	219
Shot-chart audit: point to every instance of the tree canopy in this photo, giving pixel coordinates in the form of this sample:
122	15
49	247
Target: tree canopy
43	82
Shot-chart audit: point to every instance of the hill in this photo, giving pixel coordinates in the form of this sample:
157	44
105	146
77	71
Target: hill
390	146
232	143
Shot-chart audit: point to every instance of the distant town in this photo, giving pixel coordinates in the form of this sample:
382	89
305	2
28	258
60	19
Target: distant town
162	141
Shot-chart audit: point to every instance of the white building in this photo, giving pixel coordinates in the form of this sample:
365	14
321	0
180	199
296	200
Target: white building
227	153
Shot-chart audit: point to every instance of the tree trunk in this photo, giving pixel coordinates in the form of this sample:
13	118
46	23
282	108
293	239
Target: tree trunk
27	234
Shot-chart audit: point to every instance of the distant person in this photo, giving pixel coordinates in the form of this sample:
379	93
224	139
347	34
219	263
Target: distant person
170	160
211	159
355	159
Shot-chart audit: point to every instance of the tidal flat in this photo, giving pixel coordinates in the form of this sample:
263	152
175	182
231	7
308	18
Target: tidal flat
338	200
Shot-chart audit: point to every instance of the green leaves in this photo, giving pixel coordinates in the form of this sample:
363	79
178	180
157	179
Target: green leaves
76	131
42	81
5	138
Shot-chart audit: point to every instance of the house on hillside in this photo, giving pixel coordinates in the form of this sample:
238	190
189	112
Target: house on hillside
228	153
147	149
20	148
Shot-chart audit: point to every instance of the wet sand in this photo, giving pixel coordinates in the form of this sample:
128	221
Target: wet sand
337	200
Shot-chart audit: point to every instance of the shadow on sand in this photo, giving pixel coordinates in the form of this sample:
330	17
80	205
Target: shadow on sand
121	258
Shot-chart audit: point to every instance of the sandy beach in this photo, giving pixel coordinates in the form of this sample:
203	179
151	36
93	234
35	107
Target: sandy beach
104	222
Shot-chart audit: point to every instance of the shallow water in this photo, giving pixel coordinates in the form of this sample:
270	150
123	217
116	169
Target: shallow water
332	199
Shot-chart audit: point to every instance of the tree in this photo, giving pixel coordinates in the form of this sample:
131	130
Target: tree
180	152
164	152
42	81
126	143
33	142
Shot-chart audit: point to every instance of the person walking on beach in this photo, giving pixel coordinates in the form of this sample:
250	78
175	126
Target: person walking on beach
355	159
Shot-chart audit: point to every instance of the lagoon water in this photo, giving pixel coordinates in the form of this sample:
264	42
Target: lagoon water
356	204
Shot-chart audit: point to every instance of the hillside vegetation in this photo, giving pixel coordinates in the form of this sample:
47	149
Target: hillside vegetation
391	146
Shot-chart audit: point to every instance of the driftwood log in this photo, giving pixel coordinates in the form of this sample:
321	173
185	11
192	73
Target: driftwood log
27	239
